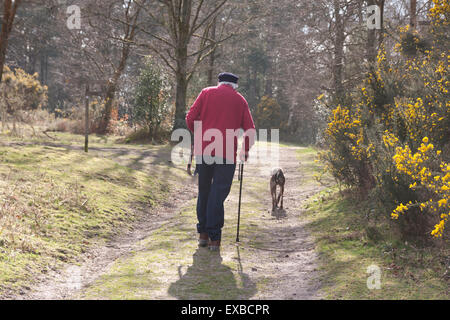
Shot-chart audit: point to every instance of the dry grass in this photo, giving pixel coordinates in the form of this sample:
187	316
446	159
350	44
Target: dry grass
56	203
28	203
348	244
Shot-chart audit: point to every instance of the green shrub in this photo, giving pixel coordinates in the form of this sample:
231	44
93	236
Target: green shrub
150	101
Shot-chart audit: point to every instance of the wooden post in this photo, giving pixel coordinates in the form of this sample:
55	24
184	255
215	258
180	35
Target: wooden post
93	88
86	119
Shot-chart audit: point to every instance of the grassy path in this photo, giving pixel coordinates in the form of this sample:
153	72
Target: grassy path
275	259
119	223
157	256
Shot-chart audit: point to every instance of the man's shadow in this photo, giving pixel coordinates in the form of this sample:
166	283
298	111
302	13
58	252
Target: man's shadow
207	278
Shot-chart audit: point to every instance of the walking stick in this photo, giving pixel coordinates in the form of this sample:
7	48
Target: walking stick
240	175
188	169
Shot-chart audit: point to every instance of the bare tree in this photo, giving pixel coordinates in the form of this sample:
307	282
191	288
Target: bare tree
339	38
9	12
122	17
186	35
212	57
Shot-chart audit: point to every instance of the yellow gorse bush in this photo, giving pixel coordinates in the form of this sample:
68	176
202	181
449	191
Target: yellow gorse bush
21	91
268	113
418	167
402	105
440	12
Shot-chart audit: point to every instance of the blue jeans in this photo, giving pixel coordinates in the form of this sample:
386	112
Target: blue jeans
214	184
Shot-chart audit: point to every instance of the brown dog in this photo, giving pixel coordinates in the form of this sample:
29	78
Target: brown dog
277	179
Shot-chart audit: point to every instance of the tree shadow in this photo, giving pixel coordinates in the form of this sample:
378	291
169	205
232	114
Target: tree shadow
208	278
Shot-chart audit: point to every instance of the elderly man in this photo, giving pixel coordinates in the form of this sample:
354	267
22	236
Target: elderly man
217	111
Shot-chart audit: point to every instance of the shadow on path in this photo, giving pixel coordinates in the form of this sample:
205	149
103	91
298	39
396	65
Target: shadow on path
208	278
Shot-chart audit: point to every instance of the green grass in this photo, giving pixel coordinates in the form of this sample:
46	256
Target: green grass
83	200
352	234
57	202
348	243
69	139
170	264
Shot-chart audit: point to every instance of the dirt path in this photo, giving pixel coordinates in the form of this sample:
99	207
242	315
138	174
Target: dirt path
160	258
286	252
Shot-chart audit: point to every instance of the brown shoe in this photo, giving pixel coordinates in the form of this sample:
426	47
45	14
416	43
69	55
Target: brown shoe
203	240
214	245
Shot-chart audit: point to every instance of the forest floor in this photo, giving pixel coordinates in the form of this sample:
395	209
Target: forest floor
157	256
119	223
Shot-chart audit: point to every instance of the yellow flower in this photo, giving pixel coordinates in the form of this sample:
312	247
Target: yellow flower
442	202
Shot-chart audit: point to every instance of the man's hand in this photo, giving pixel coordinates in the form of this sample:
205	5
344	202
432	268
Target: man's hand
243	155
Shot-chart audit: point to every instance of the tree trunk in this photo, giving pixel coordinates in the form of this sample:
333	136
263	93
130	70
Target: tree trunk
181	88
253	96
181	68
381	31
413	14
360	11
180	102
268	88
212	57
338	62
44	68
3	112
268	91
370	45
130	33
111	91
9	12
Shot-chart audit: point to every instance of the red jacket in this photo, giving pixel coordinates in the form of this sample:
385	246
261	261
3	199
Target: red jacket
221	108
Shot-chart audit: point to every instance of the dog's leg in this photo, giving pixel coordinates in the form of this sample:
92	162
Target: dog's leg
279	197
273	192
282	195
274	198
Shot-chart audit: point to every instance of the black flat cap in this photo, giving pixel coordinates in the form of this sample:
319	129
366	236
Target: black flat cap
228	77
